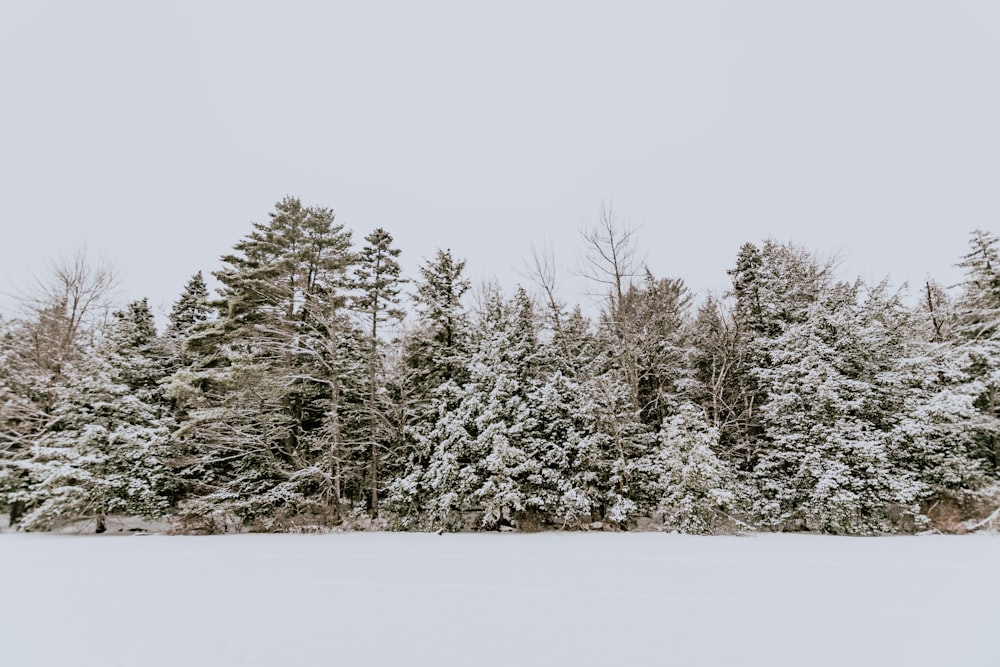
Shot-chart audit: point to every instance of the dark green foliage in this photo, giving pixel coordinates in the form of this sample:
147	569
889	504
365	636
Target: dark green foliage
377	284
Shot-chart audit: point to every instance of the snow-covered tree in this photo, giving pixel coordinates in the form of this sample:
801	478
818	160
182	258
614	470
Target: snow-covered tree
724	384
379	283
978	313
657	312
979	305
192	308
106	449
938	428
25	397
439	349
479	463
699	490
828	463
260	394
435	360
187	319
59	320
562	489
773	288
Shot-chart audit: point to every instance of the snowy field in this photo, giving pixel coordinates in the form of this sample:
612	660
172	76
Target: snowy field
510	599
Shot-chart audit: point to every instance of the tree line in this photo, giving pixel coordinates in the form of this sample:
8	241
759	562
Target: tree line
321	388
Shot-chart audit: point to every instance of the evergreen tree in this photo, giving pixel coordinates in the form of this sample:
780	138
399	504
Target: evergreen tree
378	282
60	321
774	288
479	463
624	448
192	308
828	465
698	488
561	488
441	314
106	449
187	319
435	361
937	435
658	313
24	399
259	396
979	305
978	314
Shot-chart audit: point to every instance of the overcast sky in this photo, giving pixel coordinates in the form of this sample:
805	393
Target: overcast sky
155	133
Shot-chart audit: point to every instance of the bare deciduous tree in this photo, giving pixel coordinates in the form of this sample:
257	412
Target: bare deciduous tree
540	268
611	261
64	307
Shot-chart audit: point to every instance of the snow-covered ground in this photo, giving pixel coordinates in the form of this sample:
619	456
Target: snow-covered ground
499	599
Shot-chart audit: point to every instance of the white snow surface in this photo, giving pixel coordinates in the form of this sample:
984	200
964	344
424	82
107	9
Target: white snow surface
499	599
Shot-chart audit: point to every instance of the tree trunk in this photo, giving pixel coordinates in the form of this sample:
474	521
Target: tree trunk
993	436
334	417
933	311
374	498
371	410
17	510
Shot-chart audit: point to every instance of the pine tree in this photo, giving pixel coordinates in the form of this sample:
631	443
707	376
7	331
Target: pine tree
623	450
479	463
440	311
25	396
658	313
776	285
774	288
699	490
828	465
979	305
192	308
106	449
61	320
187	318
378	283
259	397
565	489
434	363
939	434
978	314
936	438
560	490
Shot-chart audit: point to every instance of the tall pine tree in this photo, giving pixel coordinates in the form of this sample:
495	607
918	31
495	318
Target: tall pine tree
378	283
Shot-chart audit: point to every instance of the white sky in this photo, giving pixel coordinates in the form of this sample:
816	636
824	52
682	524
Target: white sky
154	133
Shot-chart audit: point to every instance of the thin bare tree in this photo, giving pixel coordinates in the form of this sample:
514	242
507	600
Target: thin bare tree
64	307
611	261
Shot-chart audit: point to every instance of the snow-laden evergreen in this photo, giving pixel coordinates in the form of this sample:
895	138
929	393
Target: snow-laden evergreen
827	463
480	463
700	491
106	447
304	395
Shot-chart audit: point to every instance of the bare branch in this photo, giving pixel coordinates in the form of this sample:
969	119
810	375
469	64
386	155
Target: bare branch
64	307
611	258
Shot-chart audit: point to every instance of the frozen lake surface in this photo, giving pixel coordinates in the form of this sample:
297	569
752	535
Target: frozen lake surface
499	599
